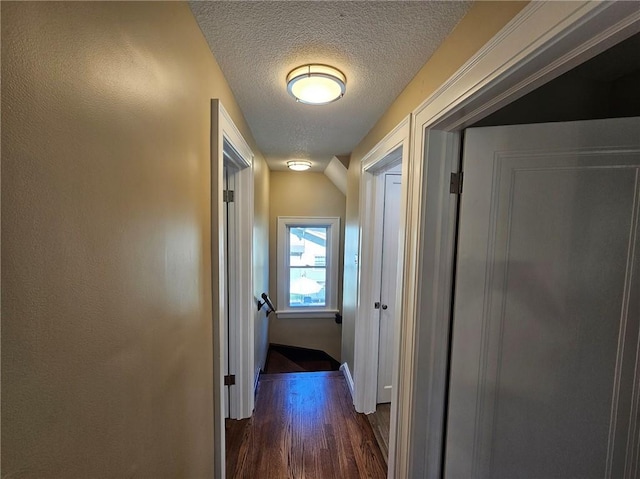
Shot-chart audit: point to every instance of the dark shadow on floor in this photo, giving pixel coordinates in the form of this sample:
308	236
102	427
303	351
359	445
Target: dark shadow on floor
292	359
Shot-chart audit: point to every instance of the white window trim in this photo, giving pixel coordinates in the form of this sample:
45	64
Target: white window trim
333	255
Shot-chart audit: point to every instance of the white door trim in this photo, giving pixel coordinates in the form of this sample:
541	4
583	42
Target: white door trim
223	128
383	156
543	41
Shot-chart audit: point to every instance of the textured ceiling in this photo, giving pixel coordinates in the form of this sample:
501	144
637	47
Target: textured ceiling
380	46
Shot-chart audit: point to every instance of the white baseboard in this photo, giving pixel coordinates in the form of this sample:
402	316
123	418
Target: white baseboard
344	367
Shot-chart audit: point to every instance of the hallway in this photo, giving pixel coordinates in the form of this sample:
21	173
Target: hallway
304	426
116	118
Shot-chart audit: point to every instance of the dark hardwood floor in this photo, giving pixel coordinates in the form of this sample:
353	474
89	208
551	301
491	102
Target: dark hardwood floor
380	424
304	426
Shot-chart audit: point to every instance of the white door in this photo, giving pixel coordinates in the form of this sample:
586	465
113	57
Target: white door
388	290
229	300
545	374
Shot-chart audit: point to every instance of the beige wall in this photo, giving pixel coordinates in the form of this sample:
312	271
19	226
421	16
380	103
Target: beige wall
303	194
480	24
106	266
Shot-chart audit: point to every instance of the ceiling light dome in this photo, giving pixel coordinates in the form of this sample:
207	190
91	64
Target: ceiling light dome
299	165
316	84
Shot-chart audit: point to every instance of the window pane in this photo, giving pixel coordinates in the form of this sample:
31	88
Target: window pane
308	246
307	287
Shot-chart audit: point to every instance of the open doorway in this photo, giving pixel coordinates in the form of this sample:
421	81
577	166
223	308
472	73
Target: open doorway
231	276
234	283
389	183
381	254
229	302
555	262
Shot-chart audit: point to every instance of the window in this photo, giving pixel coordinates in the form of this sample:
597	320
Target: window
308	252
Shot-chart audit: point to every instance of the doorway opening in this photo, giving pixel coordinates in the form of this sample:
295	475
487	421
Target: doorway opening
233	308
378	320
568	161
387	212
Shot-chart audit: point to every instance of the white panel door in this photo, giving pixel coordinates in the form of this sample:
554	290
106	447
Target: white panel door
225	353
545	375
230	300
388	288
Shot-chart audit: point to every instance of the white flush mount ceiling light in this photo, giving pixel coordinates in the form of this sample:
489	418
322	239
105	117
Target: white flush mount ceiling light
316	84
299	165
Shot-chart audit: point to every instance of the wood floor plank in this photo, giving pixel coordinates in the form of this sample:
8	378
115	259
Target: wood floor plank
305	427
237	441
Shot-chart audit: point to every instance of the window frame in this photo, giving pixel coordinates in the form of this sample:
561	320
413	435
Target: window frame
329	310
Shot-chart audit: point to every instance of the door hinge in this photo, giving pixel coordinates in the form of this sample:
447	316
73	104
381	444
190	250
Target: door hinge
455	186
230	380
228	196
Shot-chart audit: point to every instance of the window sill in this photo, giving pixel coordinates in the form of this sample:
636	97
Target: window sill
306	313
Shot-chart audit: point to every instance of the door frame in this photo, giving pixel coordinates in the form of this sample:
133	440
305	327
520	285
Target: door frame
242	343
543	41
367	331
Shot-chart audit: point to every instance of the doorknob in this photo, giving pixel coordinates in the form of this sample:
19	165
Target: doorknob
376	305
384	306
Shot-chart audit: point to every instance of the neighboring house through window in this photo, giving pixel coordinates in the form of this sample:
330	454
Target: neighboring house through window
308	249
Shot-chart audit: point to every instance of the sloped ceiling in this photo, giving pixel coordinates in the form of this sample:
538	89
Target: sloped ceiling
380	46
